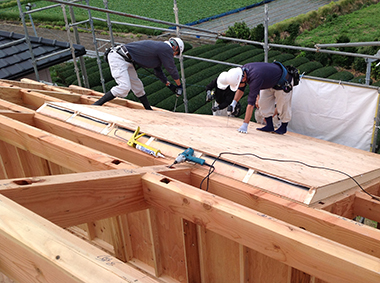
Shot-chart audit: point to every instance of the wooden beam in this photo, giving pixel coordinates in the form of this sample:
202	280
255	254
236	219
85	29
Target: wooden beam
33	249
326	224
325	259
106	144
366	206
74	199
24	117
53	148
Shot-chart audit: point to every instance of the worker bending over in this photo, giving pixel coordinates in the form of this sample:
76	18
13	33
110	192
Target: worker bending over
147	54
223	96
274	84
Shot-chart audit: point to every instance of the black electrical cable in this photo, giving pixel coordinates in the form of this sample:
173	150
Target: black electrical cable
212	169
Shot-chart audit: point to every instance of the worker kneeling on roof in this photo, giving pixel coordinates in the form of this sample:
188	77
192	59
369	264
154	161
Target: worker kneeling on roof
147	54
222	96
273	82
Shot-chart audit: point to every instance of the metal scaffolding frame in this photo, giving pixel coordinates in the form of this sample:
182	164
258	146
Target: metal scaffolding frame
180	30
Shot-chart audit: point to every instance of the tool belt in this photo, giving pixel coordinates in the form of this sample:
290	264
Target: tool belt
123	52
283	83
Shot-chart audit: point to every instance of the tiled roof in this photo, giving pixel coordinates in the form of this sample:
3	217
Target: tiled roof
15	59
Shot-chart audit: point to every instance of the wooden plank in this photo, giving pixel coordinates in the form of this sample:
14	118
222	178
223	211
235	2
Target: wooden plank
366	206
106	144
193	269
289	244
266	153
4	104
170	244
24	117
33	249
11	160
35	99
140	239
11	94
263	268
154	236
35	84
73	199
32	165
62	152
329	225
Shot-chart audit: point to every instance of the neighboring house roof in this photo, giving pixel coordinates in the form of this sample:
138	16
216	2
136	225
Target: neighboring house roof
15	59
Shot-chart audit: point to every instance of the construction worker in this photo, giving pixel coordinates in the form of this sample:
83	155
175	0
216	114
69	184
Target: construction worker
222	97
273	82
147	54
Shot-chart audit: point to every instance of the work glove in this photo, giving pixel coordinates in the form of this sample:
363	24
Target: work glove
179	90
172	87
215	108
243	128
209	96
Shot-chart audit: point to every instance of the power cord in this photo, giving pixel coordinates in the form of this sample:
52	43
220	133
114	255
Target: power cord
212	169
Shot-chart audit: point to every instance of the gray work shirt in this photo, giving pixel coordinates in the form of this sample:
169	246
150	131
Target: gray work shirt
154	54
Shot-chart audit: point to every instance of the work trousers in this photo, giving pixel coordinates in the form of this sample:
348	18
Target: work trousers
125	76
271	98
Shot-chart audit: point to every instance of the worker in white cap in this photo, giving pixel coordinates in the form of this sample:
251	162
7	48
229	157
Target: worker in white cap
273	82
147	54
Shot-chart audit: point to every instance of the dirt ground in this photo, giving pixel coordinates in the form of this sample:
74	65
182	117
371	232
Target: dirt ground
86	39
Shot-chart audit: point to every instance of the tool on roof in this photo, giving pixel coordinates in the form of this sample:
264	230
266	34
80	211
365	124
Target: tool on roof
187	155
143	147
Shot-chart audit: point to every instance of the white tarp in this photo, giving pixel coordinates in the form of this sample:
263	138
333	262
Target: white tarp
334	112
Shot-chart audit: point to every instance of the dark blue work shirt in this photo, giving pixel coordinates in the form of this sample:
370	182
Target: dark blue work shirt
260	75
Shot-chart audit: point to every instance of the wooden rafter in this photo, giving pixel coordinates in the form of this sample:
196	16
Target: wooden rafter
161	220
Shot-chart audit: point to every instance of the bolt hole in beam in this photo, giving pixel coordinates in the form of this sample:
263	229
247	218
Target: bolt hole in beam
116	162
26	181
165	180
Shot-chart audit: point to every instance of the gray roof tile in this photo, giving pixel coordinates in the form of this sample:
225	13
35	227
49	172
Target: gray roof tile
15	60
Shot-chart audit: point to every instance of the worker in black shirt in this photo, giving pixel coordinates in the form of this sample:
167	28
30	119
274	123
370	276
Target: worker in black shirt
147	54
223	97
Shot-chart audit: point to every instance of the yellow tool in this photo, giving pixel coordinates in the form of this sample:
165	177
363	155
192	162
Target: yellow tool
143	147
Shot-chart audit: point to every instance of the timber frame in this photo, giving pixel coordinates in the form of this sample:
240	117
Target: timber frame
77	204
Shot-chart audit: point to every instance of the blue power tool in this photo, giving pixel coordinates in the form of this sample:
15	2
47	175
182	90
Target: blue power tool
187	155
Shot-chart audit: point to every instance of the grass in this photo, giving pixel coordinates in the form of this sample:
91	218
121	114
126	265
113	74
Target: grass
359	26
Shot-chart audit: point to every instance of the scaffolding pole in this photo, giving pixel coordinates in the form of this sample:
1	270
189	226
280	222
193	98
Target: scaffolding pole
27	39
77	40
266	21
71	44
185	101
96	47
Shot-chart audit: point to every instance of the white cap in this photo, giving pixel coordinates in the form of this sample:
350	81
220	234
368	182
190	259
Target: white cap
177	42
231	78
221	80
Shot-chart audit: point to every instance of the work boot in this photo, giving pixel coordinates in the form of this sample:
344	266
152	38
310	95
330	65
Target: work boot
282	129
144	100
269	125
106	97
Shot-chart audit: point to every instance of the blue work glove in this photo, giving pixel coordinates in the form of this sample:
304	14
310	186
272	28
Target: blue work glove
179	90
172	87
243	128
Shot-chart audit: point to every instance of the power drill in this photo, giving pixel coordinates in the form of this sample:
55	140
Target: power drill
187	155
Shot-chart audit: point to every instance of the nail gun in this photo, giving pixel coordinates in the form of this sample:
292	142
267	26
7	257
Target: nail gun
188	155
